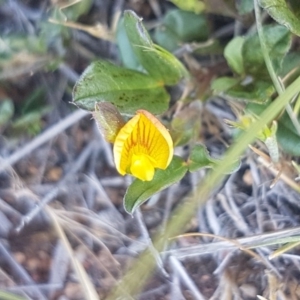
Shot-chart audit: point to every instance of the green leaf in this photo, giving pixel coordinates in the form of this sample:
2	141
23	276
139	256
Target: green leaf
284	12
291	62
72	11
278	40
187	25
127	54
30	122
222	84
128	90
139	191
256	109
167	38
6	111
200	158
286	121
180	27
233	54
258	91
288	140
286	133
195	6
158	62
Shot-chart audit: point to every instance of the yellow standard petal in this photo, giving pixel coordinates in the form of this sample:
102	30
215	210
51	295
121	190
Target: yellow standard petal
142	145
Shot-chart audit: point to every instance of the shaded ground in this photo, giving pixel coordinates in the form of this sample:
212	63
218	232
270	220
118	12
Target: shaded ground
70	167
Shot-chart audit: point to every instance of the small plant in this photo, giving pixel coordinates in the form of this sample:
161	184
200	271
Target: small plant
142	145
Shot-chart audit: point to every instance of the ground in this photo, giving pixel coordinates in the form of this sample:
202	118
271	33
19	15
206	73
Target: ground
64	231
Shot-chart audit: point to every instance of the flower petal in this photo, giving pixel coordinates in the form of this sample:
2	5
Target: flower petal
121	158
141	167
142	145
157	138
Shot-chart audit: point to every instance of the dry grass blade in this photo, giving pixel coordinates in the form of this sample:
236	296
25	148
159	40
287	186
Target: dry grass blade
86	284
99	31
186	278
60	265
266	239
234	242
284	249
42	138
23	64
150	246
53	193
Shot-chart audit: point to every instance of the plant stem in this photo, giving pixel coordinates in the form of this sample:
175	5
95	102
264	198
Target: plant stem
276	82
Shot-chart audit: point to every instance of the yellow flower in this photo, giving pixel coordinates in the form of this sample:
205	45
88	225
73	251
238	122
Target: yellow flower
141	146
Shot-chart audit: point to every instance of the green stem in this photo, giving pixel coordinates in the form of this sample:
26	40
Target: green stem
276	82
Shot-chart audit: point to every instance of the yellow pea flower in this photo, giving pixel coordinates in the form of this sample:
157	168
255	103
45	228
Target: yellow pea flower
142	145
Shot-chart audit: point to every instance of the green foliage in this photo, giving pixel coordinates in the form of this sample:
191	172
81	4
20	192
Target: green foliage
290	63
224	84
286	134
125	49
289	140
28	115
200	158
128	90
14	44
152	67
159	63
234	55
29	123
245	58
139	191
278	39
284	12
180	27
196	6
74	10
